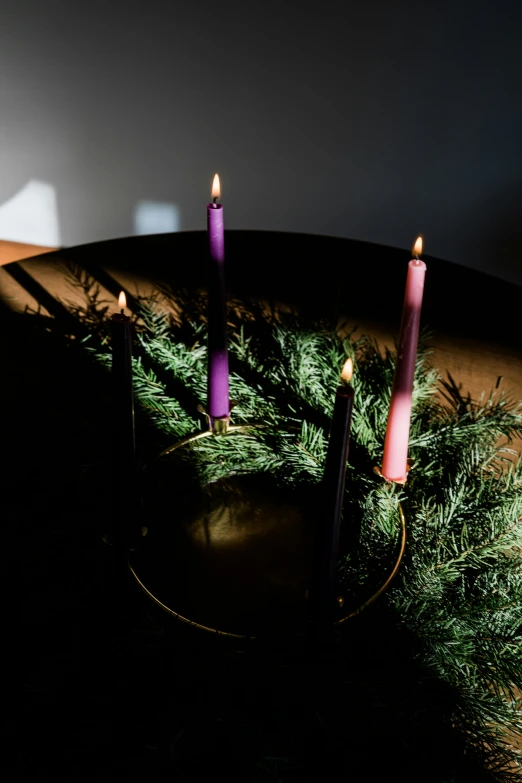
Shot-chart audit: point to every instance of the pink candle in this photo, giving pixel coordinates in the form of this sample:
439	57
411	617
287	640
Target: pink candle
218	393
394	464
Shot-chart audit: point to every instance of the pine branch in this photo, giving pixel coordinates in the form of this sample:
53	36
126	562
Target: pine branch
459	590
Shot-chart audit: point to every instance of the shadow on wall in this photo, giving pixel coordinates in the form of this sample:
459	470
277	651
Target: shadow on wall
31	216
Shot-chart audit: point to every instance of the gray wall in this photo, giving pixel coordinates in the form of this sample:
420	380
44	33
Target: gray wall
375	120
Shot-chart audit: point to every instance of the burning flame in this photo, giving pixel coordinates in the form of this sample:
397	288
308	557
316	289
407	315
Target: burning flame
347	371
216	187
417	247
122	300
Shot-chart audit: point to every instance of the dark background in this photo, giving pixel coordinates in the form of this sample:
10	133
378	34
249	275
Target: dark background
375	121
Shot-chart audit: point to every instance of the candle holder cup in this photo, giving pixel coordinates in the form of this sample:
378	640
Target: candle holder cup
217	425
378	472
235	560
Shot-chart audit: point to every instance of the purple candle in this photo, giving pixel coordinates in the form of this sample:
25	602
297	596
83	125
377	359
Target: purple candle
218	394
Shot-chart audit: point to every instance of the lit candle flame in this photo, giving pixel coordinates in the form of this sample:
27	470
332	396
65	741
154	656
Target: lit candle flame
417	247
122	300
347	371
216	187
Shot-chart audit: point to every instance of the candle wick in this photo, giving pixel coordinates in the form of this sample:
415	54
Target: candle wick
123	311
215	200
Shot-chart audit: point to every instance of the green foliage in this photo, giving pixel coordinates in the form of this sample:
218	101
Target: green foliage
459	588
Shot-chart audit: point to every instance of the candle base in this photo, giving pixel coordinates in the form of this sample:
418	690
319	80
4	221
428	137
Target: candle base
235	559
402	481
220	426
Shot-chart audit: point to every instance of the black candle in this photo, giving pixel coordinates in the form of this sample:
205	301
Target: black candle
124	452
323	583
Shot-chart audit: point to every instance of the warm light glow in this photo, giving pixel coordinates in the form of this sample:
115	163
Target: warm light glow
417	247
216	187
347	372
122	300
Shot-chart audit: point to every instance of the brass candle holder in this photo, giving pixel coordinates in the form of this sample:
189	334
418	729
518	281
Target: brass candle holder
217	425
246	530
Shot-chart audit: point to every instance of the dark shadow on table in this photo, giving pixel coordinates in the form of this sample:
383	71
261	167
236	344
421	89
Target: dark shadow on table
152	696
323	275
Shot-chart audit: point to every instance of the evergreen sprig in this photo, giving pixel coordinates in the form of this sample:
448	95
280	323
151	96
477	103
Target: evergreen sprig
459	588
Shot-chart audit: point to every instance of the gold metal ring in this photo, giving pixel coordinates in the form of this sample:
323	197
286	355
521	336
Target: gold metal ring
385	584
180	616
208	433
240	428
